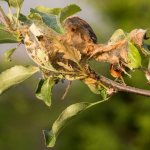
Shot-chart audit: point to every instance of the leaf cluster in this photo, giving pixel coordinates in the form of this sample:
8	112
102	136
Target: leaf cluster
62	47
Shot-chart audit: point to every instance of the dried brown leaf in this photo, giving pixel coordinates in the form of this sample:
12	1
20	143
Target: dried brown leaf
65	66
114	54
137	36
92	84
107	48
71	53
74	77
106	57
38	49
89	81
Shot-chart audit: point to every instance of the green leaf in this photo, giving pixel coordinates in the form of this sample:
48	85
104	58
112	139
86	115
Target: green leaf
44	89
53	11
69	11
63	13
24	19
134	57
9	53
69	113
53	17
34	16
14	3
117	36
50	20
15	75
2	26
103	93
7	37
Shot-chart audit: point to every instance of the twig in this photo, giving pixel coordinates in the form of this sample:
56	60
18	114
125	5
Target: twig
120	87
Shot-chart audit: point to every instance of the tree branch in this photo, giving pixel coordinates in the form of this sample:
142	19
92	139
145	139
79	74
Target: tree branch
120	87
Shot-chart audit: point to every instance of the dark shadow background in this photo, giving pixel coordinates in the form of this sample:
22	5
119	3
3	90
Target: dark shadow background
123	123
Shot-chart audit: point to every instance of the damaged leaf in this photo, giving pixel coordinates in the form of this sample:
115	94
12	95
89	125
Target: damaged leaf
71	53
65	66
36	50
137	36
147	72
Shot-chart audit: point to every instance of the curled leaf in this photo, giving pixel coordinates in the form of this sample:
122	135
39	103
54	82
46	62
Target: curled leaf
9	53
44	89
137	36
24	19
69	11
71	53
65	66
69	113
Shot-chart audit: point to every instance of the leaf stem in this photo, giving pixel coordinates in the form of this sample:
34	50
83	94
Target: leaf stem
98	102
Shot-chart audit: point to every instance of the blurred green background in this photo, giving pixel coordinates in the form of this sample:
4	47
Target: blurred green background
122	123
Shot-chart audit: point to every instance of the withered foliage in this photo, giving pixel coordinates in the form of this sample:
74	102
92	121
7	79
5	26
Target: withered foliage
66	56
62	48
